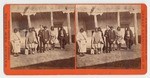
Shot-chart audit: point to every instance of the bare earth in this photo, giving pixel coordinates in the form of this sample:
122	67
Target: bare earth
52	55
103	58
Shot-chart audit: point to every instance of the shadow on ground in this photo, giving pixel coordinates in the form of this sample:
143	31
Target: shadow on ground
124	64
57	64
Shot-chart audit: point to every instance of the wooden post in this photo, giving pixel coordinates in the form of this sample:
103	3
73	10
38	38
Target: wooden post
95	20
135	28
52	24
118	18
29	21
69	27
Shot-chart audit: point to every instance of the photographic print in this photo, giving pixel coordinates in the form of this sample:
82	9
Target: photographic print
109	37
42	37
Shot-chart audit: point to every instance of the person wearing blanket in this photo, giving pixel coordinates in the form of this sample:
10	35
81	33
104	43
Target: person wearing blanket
82	41
98	40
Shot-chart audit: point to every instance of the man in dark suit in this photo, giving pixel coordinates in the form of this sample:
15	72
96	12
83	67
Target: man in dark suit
111	37
41	39
46	38
62	37
106	39
128	37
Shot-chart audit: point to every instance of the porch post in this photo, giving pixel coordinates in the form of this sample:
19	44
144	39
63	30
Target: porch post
95	20
118	18
29	21
69	28
52	24
135	28
77	22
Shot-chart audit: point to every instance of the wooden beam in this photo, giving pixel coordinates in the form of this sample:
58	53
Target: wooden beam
69	27
29	21
95	20
52	21
135	28
118	18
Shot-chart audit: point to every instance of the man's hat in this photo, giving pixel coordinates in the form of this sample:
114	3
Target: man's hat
110	26
44	26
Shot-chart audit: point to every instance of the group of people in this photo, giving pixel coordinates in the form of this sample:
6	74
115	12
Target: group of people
105	42
41	41
45	40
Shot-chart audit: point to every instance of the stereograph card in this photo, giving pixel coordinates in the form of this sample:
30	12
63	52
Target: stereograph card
69	39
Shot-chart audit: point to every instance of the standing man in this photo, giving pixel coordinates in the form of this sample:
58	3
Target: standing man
128	37
46	39
82	41
62	37
41	39
106	39
114	46
16	42
111	37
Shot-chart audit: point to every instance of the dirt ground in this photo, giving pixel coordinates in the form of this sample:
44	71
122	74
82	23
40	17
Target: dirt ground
116	59
50	59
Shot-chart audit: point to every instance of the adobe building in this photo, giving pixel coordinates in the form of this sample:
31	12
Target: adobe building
91	16
25	16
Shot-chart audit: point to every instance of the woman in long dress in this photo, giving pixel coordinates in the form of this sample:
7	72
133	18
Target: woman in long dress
82	41
31	41
36	39
119	38
16	42
53	38
98	40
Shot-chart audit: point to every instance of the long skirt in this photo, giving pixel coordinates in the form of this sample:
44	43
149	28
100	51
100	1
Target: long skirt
32	45
82	47
16	47
97	45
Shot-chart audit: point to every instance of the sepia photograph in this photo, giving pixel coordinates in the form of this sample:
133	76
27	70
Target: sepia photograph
69	39
42	37
108	36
